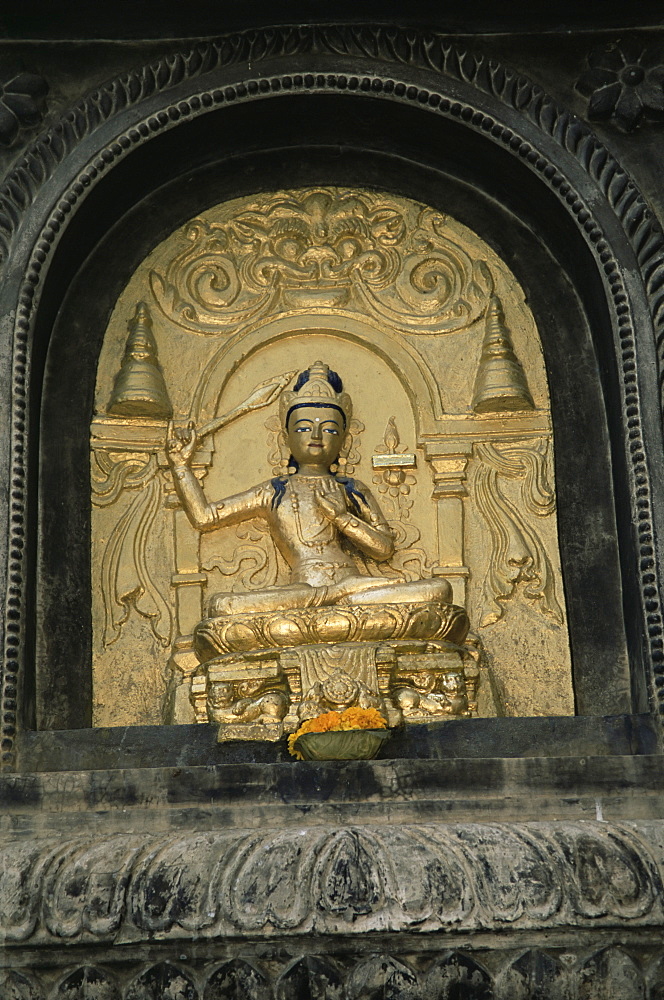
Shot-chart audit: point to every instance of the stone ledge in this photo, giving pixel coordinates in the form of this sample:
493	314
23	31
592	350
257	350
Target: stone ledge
415	878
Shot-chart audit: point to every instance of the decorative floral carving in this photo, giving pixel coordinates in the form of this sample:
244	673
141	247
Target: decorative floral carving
322	247
299	881
21	100
625	83
393	483
518	555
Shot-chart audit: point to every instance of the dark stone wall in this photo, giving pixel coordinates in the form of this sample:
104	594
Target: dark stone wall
508	858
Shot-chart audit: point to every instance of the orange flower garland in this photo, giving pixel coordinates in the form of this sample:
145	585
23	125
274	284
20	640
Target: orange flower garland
350	718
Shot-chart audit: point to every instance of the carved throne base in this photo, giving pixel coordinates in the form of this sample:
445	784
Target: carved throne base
261	676
334	623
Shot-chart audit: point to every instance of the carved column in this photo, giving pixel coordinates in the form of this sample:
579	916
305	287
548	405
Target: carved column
449	461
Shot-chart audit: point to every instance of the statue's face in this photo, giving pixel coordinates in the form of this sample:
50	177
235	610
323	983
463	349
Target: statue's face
315	435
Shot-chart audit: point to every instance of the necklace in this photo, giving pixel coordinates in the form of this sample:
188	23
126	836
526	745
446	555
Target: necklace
325	530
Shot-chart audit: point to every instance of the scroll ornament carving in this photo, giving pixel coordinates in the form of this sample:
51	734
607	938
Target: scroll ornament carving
322	248
126	579
301	880
518	555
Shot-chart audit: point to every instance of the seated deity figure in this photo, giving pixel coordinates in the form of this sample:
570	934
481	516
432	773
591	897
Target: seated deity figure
322	522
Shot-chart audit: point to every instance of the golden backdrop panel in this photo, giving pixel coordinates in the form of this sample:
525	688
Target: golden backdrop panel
450	432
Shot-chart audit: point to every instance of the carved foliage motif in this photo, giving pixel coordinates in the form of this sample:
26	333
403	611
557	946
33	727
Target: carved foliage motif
322	247
314	880
126	579
518	555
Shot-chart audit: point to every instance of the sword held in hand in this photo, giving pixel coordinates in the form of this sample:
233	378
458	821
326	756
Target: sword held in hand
262	395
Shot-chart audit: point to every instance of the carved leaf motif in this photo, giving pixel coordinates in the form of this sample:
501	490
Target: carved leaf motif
350	883
511	887
415	877
265	887
518	556
322	246
126	580
609	874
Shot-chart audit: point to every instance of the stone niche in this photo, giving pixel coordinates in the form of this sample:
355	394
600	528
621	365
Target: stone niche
511	851
451	430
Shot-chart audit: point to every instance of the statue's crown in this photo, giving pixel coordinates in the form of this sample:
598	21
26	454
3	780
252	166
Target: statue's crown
317	385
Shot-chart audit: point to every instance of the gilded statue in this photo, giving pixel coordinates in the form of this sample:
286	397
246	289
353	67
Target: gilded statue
322	522
331	621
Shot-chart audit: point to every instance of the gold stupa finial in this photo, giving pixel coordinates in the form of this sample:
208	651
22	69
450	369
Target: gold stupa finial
501	382
139	389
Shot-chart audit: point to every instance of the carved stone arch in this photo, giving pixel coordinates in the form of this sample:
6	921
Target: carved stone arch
19	987
87	983
160	981
535	975
309	976
409	367
611	971
87	156
237	980
458	976
382	978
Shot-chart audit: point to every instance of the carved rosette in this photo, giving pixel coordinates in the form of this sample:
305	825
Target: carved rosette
415	878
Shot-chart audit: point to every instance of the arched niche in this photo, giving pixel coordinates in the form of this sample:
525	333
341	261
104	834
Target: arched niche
535	182
406	313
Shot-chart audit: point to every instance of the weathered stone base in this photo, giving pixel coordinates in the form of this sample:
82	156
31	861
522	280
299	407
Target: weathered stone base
387	879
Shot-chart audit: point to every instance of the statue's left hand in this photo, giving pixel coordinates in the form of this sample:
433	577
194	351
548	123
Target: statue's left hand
331	505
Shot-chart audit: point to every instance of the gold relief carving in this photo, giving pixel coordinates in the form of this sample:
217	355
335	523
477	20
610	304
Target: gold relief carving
331	624
126	580
314	565
433	686
279	452
139	389
517	555
322	248
501	381
393	484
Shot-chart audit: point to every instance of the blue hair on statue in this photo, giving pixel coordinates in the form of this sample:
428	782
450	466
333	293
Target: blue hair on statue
335	381
279	486
302	379
333	378
352	492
